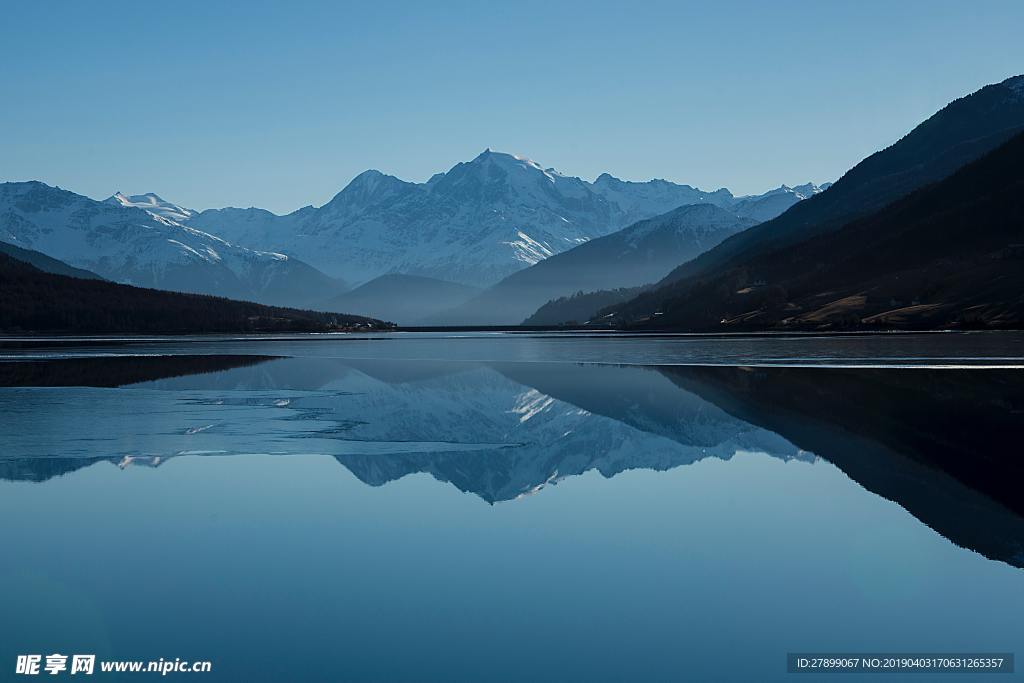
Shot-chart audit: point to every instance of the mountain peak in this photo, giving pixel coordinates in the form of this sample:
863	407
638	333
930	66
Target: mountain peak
369	187
490	168
368	177
146	198
801	191
153	203
372	181
507	160
809	189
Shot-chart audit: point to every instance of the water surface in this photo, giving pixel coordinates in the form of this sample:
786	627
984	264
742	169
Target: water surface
499	507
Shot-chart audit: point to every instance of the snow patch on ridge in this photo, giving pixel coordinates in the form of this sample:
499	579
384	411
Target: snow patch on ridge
530	404
154	205
528	250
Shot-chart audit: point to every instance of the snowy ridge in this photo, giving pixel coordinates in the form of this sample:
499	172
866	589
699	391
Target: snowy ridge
529	250
153	204
772	203
144	247
475	224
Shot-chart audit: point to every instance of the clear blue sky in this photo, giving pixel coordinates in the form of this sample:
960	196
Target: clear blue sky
280	104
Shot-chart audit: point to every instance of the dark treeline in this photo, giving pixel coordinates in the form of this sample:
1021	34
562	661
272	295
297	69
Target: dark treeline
34	301
581	306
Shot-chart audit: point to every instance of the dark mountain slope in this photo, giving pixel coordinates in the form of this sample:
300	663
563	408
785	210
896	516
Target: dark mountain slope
45	263
403	299
581	306
34	301
949	255
961	132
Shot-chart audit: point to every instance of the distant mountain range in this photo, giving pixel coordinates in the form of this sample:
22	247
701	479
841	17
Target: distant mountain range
122	242
900	433
474	224
501	239
854	256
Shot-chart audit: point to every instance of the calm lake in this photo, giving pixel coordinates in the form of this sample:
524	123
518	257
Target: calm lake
478	507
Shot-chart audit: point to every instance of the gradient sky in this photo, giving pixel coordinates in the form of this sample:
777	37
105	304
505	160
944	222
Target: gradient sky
279	105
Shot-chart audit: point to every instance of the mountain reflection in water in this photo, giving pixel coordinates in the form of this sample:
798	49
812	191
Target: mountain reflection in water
940	443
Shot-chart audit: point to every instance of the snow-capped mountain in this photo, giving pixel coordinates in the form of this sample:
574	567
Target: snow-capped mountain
481	220
154	204
775	202
654	197
125	243
474	224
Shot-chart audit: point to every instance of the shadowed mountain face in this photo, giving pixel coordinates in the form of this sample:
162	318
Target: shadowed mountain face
942	444
642	253
115	371
44	263
402	299
880	238
962	131
946	256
